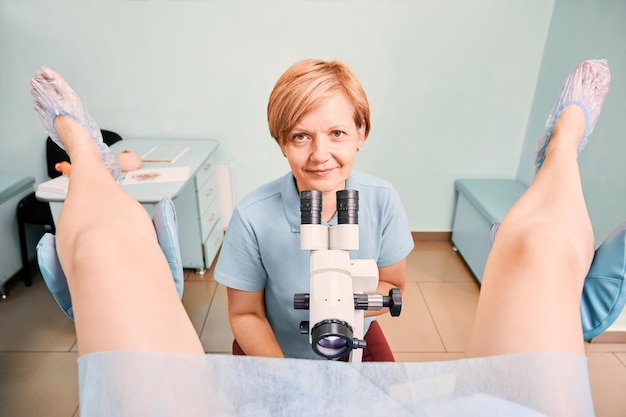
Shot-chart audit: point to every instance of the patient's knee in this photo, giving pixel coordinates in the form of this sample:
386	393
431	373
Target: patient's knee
86	248
566	250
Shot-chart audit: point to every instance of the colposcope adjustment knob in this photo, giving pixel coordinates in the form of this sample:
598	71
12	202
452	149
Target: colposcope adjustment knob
394	302
359	343
301	301
304	327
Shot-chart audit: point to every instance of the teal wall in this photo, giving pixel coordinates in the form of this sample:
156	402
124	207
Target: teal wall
582	29
451	82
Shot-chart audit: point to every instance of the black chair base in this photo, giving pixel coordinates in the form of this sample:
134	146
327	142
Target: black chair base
31	211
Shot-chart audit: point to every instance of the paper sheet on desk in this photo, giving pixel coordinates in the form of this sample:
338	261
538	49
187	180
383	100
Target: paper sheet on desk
164	154
56	185
154	175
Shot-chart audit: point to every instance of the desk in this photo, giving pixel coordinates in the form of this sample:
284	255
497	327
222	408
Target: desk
195	199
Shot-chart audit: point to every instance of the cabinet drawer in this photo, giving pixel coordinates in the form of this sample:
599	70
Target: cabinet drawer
209	219
206	170
207	194
212	244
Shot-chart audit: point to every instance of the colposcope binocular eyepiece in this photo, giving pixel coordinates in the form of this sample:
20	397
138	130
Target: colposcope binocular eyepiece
348	207
310	207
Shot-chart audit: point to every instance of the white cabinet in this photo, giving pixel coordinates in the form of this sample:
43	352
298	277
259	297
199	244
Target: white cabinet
199	223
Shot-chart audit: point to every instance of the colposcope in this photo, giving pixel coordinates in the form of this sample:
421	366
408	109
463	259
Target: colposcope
341	289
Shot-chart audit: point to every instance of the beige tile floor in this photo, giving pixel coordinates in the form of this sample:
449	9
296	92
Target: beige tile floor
38	344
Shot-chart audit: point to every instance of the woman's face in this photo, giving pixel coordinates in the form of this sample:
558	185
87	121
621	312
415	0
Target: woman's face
322	145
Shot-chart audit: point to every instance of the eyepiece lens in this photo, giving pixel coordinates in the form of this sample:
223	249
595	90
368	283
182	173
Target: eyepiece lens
347	207
310	207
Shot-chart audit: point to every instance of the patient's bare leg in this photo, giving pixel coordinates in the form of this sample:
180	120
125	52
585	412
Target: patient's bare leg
119	279
530	295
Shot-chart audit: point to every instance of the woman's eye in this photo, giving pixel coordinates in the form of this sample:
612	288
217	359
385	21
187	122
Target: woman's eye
299	137
338	133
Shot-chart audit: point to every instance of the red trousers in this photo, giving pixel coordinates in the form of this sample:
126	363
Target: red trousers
377	349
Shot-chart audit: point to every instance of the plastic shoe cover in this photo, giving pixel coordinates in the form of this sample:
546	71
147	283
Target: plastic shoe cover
586	86
54	97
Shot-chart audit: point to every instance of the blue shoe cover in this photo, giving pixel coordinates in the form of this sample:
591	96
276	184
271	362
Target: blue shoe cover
53	97
586	86
164	220
604	292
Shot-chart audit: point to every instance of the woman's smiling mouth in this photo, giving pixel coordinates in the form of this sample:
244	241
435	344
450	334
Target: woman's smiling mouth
320	172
